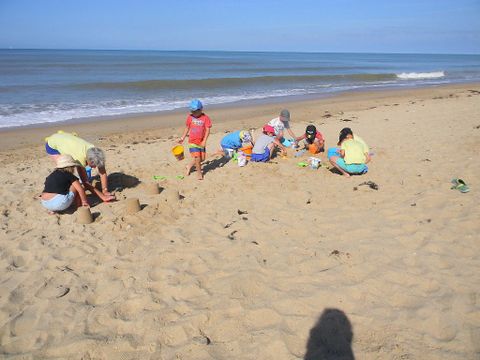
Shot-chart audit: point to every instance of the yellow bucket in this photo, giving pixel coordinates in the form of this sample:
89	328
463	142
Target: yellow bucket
177	151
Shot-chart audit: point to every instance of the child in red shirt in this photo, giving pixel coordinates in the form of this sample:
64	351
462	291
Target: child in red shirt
314	141
198	125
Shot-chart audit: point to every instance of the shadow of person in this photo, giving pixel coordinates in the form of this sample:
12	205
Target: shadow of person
118	181
210	165
331	337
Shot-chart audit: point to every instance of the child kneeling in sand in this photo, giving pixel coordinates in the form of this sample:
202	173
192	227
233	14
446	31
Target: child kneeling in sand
352	156
198	127
235	141
264	145
62	188
314	141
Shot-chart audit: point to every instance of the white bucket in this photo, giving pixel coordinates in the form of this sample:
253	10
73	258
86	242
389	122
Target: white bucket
314	162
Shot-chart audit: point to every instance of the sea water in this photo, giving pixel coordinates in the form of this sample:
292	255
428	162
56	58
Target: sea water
44	86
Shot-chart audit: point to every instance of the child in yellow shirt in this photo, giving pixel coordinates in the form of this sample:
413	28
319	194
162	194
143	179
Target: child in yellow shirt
352	156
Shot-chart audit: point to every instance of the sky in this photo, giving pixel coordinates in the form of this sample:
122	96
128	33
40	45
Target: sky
421	26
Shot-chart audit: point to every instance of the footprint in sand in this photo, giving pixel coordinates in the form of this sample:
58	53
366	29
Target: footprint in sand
52	290
19	261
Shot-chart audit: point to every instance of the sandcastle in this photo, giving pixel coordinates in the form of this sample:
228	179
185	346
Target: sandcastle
132	206
152	189
171	195
84	216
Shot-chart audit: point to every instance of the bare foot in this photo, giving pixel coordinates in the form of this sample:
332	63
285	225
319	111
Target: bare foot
200	177
346	174
188	168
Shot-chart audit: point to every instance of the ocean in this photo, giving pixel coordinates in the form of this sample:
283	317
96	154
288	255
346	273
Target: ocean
45	86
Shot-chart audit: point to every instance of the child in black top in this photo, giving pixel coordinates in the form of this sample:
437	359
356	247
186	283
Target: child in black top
314	141
62	188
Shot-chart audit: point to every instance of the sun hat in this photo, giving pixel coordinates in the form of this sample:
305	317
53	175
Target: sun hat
64	161
311	131
195	105
285	115
268	129
245	136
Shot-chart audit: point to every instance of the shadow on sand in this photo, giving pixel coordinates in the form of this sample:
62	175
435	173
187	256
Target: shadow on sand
210	165
118	181
331	337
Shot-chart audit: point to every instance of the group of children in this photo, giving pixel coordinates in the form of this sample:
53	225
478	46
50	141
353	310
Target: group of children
349	157
63	188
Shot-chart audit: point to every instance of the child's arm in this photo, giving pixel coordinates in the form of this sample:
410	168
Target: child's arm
300	138
207	133
81	192
278	144
367	158
279	135
184	135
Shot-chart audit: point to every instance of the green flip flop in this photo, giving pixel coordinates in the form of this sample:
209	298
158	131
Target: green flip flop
302	164
460	185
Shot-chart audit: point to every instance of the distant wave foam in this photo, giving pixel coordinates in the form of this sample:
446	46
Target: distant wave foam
424	75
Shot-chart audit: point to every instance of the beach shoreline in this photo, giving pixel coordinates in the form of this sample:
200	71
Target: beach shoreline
251	113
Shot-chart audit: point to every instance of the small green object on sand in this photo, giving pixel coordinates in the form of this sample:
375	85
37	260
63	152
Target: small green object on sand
460	185
302	164
160	177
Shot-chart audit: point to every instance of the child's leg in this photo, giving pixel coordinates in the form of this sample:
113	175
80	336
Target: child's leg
77	201
320	145
217	153
333	161
189	167
198	164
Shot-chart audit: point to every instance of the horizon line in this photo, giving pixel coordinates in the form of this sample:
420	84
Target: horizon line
243	51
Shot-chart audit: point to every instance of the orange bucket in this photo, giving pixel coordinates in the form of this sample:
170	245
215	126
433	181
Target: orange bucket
177	151
313	149
247	150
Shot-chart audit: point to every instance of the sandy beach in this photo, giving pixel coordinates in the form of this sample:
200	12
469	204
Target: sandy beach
268	261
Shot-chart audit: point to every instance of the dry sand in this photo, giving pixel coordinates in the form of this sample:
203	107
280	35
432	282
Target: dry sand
269	261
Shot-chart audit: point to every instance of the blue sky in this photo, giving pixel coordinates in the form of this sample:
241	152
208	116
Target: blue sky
422	26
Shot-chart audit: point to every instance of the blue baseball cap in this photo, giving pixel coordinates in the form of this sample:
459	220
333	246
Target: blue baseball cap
195	105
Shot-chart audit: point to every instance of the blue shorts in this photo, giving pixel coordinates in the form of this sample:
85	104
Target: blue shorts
59	202
352	168
51	151
196	150
333	152
261	157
